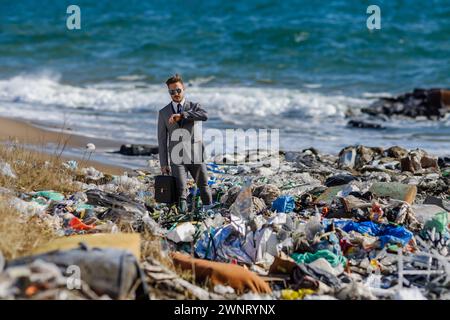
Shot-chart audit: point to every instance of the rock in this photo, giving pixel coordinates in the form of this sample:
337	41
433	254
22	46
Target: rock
417	160
429	162
444	162
396	152
138	150
364	124
432	103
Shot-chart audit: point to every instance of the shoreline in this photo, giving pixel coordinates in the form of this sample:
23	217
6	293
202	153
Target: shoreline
49	141
27	133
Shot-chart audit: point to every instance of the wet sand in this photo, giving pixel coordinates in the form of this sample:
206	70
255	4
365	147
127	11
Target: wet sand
29	134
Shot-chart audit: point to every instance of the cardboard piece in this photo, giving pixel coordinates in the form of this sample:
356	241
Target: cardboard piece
126	241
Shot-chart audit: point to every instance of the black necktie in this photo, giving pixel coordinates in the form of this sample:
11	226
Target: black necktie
179	108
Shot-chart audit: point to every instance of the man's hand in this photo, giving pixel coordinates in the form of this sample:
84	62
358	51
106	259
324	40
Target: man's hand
165	169
175	118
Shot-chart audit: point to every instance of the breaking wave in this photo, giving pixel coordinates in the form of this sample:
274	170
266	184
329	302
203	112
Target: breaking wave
47	89
125	110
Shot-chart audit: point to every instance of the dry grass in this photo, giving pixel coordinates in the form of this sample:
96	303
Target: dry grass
20	234
151	247
35	171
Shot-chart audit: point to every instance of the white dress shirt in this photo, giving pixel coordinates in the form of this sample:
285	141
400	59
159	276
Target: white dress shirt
175	105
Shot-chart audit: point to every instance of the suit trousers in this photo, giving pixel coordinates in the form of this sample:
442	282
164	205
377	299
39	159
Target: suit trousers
200	175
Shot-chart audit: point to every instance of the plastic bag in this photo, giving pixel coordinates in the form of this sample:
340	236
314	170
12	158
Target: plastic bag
439	222
284	204
51	195
386	233
308	257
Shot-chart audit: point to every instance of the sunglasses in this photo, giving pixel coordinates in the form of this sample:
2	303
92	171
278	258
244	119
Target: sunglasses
175	91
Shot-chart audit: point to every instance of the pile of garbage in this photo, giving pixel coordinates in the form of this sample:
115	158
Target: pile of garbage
369	223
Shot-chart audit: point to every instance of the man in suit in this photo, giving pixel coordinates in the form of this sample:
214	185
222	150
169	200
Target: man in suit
181	119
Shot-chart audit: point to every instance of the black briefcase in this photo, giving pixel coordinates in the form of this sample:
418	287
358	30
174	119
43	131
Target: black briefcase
165	189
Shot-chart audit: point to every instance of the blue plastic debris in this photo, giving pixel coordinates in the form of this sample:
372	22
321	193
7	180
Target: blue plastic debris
71	164
221	244
387	233
212	180
211	166
283	204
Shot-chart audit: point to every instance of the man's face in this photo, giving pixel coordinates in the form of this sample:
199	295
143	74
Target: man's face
176	91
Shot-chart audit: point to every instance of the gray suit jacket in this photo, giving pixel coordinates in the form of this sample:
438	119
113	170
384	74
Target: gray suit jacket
192	113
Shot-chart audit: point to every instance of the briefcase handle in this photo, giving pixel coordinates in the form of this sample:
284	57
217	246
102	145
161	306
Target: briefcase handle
165	174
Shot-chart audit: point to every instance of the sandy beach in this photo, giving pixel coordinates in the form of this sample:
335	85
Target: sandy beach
29	134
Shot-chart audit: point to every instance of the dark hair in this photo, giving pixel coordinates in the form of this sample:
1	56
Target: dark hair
174	79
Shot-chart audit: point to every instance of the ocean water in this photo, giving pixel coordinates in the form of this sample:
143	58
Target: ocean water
297	66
